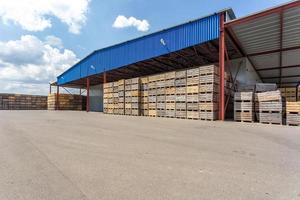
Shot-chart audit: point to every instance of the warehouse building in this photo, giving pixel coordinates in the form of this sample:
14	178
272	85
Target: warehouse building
260	48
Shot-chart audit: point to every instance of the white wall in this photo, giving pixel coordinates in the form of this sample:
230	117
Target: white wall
246	74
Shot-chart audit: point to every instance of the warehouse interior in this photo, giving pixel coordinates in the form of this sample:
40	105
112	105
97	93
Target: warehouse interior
260	48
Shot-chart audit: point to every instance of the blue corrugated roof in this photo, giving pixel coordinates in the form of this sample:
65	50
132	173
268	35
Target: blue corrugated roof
143	48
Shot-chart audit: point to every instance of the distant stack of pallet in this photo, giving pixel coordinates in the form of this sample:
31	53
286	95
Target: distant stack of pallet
192	93
152	96
144	96
293	113
116	97
65	102
121	97
290	94
108	98
209	92
180	91
22	102
132	96
270	107
243	107
160	95
170	94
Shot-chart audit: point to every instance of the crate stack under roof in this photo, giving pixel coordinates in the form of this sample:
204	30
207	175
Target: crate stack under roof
152	96
132	96
108	99
170	94
144	96
209	92
192	93
160	95
115	94
121	97
180	91
271	107
244	106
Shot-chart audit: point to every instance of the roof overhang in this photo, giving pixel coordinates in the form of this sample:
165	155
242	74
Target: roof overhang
271	41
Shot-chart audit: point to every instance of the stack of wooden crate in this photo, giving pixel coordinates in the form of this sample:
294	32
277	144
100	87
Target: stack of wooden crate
132	96
121	97
65	101
209	92
290	94
22	102
180	91
244	107
152	96
116	97
270	107
108	98
170	94
144	96
192	93
160	95
293	113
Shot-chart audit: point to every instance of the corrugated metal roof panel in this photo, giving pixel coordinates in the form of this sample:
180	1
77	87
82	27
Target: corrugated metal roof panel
259	35
176	38
291	27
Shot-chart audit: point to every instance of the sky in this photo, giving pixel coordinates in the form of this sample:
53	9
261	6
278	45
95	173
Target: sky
41	39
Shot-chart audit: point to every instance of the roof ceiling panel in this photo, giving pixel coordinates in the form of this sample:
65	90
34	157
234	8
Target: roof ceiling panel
269	73
266	61
291	27
289	80
290	71
291	57
258	35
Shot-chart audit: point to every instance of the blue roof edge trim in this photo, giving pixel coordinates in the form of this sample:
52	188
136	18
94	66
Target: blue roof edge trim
146	47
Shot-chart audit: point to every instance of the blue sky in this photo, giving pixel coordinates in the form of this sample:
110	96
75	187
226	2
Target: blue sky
71	30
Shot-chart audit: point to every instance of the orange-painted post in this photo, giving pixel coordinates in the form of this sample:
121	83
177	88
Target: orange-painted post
88	95
57	97
222	69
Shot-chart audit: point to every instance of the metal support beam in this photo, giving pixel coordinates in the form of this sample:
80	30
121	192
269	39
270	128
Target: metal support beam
283	67
274	51
87	94
222	68
262	14
57	97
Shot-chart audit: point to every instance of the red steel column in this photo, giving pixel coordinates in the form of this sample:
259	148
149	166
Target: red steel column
57	97
104	77
88	95
222	69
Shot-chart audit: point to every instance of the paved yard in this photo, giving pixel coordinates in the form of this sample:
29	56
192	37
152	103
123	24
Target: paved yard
79	155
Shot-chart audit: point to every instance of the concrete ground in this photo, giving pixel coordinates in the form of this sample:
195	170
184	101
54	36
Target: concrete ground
78	155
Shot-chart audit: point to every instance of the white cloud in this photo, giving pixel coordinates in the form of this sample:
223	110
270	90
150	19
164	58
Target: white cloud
35	15
54	41
123	22
29	64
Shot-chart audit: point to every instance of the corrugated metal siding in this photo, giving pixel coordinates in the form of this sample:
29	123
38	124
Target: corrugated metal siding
176	38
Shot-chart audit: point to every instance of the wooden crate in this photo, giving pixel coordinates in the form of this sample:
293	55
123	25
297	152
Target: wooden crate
293	113
268	96
180	114
192	114
211	106
209	69
208	115
244	106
